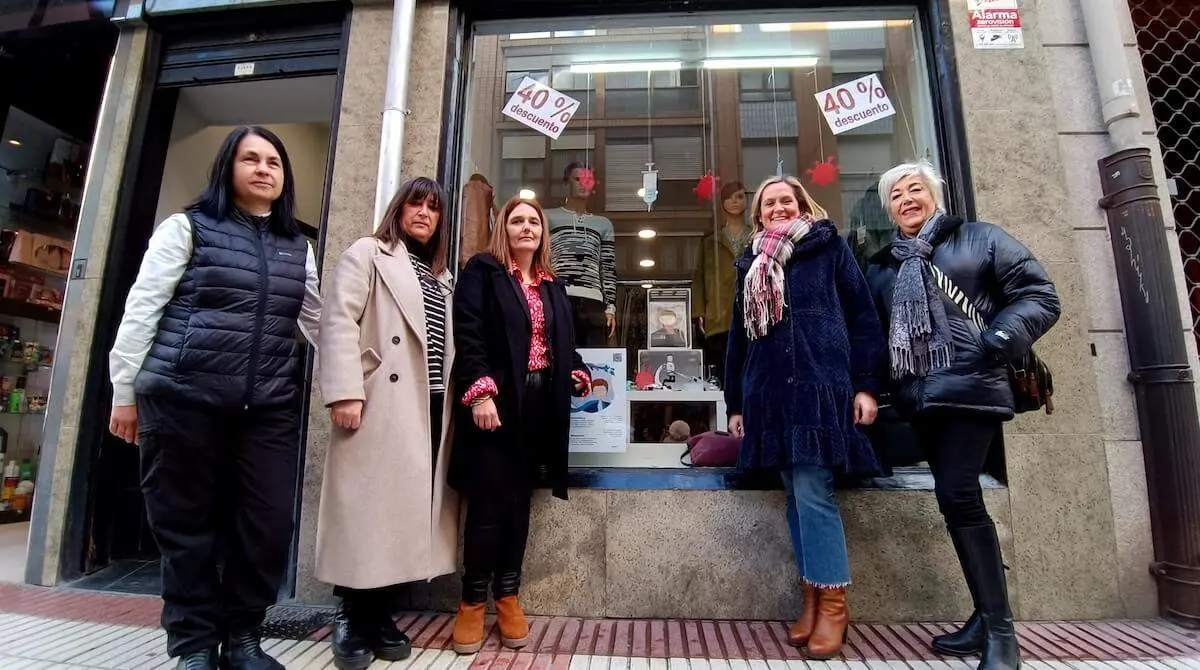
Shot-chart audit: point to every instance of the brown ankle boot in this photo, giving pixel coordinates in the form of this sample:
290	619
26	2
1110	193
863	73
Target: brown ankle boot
514	629
468	628
800	631
832	619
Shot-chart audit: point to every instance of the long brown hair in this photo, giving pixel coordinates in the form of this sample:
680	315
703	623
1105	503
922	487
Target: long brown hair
414	192
805	201
499	246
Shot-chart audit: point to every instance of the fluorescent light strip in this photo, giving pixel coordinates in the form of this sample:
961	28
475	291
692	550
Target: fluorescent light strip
749	63
626	66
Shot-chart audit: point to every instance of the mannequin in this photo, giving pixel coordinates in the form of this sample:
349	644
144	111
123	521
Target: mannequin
712	286
583	254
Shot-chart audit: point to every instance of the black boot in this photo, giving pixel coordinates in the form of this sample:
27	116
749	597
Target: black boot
351	647
1000	649
243	651
198	660
968	640
387	641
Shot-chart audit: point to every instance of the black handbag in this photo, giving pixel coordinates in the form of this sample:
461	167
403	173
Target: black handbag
1030	378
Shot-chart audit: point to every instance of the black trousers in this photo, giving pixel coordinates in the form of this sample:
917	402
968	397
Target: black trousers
497	524
591	325
382	600
956	445
220	491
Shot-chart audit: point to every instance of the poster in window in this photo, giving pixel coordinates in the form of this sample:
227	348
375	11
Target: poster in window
600	420
668	318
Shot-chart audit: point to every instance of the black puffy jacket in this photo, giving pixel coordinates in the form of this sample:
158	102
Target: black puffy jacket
228	337
1014	296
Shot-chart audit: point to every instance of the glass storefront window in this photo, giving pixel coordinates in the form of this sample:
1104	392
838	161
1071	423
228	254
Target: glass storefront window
731	95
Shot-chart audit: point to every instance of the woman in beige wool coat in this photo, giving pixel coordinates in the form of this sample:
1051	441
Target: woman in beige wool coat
386	515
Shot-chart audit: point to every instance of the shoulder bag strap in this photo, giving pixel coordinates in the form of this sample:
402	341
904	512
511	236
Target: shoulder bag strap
957	296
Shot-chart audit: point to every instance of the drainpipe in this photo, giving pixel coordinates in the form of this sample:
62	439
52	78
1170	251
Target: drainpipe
1154	331
395	108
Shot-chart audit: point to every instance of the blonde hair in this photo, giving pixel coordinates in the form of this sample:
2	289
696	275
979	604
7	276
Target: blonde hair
922	169
807	204
499	242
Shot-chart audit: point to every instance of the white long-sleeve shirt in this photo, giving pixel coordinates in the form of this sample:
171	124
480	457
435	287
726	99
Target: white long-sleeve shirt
166	260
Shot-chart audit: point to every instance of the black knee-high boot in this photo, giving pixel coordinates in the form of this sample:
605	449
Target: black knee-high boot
982	550
968	640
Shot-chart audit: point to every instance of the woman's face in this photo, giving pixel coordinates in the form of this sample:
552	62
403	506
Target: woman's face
735	205
912	204
778	206
257	175
420	220
524	228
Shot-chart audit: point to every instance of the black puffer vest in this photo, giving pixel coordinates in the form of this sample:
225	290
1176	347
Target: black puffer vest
228	336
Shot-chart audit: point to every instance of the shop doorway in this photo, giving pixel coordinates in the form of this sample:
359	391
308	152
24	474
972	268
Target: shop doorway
45	135
186	128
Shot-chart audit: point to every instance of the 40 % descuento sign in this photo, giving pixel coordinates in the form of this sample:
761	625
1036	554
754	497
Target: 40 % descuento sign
540	107
855	103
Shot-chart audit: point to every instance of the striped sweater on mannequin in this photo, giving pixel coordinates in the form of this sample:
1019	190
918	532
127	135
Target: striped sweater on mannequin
584	255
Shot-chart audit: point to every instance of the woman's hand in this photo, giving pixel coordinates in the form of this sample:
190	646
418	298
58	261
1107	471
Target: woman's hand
736	428
347	414
485	414
865	409
610	320
124	423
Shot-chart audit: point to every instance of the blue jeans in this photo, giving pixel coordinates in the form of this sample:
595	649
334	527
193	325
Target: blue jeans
815	522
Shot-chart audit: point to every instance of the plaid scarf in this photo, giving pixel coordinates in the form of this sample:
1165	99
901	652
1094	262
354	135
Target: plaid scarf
919	338
765	291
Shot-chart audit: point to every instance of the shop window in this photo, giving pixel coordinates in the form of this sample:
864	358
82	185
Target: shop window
665	101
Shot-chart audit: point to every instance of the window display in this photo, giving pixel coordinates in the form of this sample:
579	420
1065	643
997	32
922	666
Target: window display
664	128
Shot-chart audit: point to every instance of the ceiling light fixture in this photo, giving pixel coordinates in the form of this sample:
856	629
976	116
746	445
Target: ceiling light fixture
527	194
647	233
627	66
15	143
751	63
646	262
647	285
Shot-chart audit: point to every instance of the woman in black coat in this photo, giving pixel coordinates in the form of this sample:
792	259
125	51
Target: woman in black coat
516	361
950	378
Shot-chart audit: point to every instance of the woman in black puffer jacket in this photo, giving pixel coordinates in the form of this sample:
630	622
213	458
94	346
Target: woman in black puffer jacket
950	379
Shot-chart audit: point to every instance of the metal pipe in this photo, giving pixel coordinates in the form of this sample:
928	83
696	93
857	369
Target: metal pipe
1160	371
395	106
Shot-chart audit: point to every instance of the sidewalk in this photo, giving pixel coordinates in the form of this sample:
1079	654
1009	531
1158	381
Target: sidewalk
65	628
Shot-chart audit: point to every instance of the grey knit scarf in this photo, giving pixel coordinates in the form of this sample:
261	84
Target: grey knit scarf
919	338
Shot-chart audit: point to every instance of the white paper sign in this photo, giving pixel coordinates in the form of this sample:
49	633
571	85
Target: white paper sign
600	421
541	108
973	5
243	69
855	103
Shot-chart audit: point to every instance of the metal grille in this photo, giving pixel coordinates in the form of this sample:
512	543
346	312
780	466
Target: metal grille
1168	36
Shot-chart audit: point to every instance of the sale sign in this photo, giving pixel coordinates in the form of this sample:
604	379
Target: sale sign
541	108
855	104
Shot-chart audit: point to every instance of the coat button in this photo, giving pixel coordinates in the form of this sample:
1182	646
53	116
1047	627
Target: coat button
394	378
396	339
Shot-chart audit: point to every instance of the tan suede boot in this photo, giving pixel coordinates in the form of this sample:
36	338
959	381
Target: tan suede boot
833	618
802	630
514	629
468	628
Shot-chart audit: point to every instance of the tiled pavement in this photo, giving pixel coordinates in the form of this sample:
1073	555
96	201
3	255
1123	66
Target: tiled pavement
66	628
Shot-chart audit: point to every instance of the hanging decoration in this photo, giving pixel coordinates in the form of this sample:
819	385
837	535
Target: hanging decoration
587	177
649	185
823	173
706	187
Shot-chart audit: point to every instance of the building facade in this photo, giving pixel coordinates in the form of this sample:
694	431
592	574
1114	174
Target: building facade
733	91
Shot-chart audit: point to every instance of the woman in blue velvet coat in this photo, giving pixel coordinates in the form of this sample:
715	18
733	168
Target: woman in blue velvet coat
804	351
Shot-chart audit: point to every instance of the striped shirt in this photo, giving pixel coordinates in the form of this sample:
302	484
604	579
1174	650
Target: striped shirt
435	324
584	254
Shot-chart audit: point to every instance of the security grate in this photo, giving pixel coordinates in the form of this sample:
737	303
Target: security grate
1168	36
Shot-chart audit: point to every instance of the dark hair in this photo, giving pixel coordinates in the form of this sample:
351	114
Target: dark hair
729	189
217	198
414	192
571	167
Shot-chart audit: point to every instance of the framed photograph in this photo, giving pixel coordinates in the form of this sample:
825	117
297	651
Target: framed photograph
669	318
685	365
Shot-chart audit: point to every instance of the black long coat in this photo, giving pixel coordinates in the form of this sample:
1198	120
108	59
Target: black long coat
492	330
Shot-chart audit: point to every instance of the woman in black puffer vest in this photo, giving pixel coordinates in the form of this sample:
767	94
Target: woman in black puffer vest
204	372
950	379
